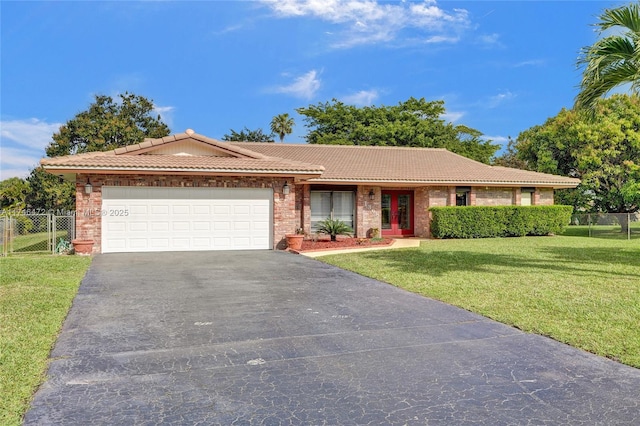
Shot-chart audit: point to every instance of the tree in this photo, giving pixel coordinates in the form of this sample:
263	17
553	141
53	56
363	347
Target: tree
282	125
247	135
414	122
612	60
13	194
108	125
105	125
50	192
510	157
602	149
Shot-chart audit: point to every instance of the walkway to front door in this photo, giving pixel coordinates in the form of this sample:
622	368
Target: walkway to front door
397	213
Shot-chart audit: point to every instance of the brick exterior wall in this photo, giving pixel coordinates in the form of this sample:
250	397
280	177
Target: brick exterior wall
286	209
543	197
368	211
439	196
493	196
421	212
292	211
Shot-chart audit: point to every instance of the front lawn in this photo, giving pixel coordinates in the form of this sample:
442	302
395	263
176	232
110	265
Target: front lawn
581	291
36	292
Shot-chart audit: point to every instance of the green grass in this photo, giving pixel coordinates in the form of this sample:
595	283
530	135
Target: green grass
603	231
35	295
36	242
581	291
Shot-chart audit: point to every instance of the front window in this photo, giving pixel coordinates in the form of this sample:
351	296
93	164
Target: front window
526	198
332	204
463	196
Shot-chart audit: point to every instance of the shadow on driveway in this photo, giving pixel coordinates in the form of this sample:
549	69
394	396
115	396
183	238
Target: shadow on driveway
264	337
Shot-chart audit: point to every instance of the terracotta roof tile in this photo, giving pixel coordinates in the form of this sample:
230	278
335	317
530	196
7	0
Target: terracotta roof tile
320	163
180	163
399	164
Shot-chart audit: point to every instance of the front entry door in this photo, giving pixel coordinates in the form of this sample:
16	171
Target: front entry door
397	213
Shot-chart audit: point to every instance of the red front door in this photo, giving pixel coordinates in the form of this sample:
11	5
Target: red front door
397	213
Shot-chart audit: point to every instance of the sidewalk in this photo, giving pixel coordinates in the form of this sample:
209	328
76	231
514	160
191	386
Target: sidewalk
397	243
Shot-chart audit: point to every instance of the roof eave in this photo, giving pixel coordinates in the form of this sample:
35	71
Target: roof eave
444	182
302	174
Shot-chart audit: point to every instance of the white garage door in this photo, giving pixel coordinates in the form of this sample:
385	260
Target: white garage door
143	219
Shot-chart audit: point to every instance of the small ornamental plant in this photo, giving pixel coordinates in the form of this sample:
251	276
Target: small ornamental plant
334	227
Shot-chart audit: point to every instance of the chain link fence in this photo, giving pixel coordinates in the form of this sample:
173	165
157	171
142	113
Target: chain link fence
625	226
32	233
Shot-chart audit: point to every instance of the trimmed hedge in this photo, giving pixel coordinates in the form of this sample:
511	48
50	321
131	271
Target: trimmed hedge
498	221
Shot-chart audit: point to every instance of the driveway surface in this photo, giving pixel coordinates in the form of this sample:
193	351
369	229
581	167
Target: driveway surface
272	338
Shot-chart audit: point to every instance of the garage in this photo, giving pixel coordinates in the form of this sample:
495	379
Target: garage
152	219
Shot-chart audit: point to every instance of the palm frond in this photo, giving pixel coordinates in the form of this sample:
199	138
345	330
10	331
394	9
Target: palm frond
626	16
612	60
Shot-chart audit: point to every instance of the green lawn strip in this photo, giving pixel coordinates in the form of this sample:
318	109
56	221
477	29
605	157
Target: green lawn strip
35	295
603	231
581	291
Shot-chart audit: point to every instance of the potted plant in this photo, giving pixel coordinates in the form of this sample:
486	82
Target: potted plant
294	241
82	246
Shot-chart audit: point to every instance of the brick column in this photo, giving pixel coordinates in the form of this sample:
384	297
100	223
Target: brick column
452	196
472	196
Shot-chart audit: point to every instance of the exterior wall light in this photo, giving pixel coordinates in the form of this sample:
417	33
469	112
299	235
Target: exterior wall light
286	189
88	188
372	195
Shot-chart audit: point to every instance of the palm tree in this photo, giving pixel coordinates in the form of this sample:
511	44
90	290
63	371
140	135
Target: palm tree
613	60
282	125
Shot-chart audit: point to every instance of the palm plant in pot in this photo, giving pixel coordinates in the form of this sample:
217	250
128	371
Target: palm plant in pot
334	227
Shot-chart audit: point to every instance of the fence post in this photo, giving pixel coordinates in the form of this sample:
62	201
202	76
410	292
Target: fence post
629	226
5	236
52	232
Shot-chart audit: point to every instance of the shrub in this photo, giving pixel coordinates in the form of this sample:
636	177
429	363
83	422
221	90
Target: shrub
334	227
498	221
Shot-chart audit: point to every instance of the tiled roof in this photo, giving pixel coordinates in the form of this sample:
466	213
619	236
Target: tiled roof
403	165
317	163
133	158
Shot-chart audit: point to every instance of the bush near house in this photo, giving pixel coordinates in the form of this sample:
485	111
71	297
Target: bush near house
498	221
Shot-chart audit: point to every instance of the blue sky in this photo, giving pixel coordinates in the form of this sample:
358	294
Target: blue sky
500	66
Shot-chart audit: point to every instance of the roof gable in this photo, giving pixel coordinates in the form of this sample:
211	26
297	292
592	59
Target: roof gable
188	143
186	153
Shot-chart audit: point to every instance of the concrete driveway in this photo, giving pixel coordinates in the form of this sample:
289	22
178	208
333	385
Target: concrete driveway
273	338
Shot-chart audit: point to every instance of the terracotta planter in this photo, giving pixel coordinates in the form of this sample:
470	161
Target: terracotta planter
82	247
294	241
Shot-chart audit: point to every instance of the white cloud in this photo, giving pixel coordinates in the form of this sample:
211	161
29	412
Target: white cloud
495	139
363	97
500	98
452	116
304	86
165	113
489	40
22	144
369	22
17	162
229	29
529	63
441	39
32	132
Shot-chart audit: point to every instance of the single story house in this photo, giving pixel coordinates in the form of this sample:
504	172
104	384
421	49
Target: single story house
190	192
